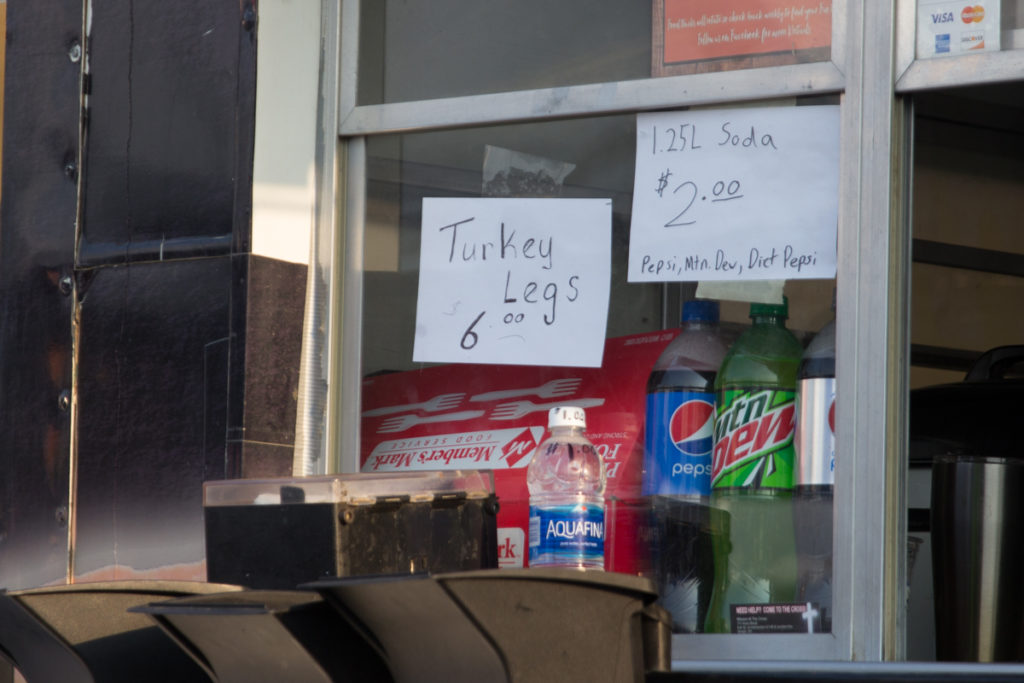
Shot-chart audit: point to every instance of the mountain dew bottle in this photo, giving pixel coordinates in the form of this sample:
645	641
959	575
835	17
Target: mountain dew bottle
752	477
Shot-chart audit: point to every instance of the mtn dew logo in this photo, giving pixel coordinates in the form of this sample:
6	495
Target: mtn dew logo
754	432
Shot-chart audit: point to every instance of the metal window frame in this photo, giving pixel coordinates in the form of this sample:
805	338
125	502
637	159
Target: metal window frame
942	72
871	299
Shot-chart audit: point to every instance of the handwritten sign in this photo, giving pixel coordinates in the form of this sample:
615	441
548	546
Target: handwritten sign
514	281
735	194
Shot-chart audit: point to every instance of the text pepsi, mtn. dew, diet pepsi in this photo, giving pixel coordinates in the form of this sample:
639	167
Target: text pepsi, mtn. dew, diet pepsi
680	410
566	480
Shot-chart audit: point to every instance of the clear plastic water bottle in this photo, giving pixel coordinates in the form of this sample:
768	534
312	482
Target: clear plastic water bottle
566	481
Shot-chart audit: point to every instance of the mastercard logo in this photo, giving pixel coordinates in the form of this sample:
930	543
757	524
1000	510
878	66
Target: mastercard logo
972	14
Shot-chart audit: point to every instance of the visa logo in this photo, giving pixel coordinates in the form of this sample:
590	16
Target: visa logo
942	17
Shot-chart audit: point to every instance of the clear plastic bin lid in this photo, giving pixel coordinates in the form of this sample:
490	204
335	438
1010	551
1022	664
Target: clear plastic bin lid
353	489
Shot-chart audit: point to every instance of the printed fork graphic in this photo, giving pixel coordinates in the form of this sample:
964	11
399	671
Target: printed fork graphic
553	389
441	402
516	409
403	422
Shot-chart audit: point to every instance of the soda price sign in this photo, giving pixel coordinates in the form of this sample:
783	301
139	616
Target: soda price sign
513	281
735	194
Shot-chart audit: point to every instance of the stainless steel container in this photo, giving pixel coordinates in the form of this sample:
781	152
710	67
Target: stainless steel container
977	519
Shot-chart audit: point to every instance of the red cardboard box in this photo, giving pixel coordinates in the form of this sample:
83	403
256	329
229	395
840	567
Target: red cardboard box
494	416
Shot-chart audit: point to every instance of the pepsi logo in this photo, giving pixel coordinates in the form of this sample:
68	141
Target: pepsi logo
692	427
832	417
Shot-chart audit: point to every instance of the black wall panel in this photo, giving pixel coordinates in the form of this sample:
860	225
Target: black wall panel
37	229
163	141
152	403
145	304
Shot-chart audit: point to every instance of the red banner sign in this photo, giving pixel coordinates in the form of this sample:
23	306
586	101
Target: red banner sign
493	416
689	31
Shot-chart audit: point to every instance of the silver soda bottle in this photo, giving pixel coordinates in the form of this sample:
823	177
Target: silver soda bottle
814	473
566	480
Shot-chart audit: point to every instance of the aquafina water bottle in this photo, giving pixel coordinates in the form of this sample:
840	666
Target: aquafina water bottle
566	481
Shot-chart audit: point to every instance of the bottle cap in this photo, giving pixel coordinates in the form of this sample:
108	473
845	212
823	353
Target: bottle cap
567	416
700	311
777	310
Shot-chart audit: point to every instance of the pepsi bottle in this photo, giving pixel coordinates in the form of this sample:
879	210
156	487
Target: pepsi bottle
814	474
678	432
680	413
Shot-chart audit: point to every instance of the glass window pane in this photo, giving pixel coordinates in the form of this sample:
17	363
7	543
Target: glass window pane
429	415
1013	15
969	252
966	365
418	51
1012	20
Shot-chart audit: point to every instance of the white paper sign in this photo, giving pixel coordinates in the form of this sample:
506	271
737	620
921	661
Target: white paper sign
514	281
735	194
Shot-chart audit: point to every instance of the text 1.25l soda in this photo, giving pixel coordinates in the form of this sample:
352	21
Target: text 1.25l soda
566	480
752	471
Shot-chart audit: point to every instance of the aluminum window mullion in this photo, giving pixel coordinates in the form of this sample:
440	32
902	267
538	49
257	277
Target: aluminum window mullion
344	324
906	34
347	324
348	70
870	566
597	98
975	69
585	99
840	50
316	404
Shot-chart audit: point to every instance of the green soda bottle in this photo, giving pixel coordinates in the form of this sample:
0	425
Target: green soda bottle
752	474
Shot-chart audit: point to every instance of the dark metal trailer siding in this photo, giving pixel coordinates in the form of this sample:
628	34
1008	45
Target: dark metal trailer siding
134	320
